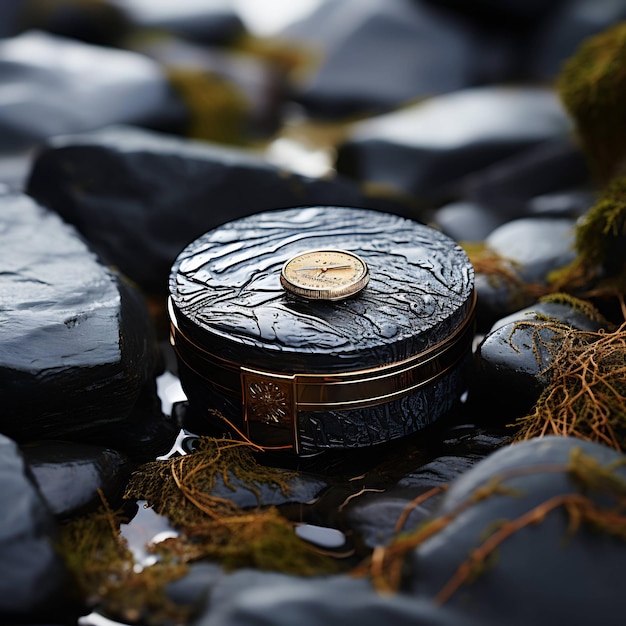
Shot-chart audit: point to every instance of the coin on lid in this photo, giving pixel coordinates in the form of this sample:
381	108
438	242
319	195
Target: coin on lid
316	328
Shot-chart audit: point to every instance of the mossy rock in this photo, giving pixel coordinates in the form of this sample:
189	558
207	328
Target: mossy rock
592	86
535	534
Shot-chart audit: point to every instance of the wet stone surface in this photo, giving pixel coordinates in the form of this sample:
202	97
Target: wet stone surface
78	355
149	195
537	556
55	90
530	249
443	111
74	478
427	51
511	360
408	150
33	580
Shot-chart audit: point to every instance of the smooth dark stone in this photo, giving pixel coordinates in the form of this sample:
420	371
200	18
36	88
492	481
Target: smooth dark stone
10	22
568	203
99	22
564	29
60	86
430	149
14	170
249	598
467	221
77	352
209	21
69	475
508	185
33	581
303	488
372	519
511	359
149	434
259	84
192	589
378	55
141	197
499	9
535	246
546	572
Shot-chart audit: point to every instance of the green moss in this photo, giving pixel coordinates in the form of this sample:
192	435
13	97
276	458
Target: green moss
600	235
592	86
578	305
586	393
596	481
103	570
215	528
217	109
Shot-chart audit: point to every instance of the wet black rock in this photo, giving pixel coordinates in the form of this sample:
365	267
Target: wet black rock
77	352
524	10
302	488
512	358
508	186
531	247
560	566
266	599
378	55
33	581
373	519
100	22
429	149
563	30
60	86
69	475
141	197
573	202
208	21
467	221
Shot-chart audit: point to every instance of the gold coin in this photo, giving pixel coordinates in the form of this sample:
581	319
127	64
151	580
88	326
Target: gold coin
325	274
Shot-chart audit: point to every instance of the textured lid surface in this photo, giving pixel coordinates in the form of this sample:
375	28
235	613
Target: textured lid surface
227	297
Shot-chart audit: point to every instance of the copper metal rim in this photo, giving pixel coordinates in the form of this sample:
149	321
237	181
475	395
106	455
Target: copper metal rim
273	400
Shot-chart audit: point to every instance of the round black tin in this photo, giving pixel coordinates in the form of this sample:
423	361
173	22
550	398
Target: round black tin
301	375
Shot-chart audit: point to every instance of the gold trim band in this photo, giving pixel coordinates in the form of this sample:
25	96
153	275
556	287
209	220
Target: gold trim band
275	399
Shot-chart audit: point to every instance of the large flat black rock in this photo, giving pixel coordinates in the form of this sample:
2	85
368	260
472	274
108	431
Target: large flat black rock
76	345
140	197
33	581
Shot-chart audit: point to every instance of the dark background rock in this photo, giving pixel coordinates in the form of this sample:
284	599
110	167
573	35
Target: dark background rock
209	21
374	55
141	197
532	247
99	22
558	36
77	345
573	202
303	488
511	359
34	584
467	221
429	149
509	184
249	598
542	572
63	86
69	475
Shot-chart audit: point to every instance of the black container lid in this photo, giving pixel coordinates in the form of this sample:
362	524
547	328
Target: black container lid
227	298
